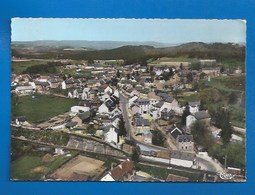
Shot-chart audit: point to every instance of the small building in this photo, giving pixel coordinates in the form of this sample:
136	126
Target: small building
183	158
148	137
20	120
111	135
144	105
122	172
81	118
194	107
24	89
71	125
79	109
175	132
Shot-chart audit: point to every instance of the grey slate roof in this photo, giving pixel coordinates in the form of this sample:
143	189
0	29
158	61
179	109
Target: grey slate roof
169	99
70	124
185	138
21	118
142	122
84	115
183	155
175	132
159	104
143	101
202	115
162	94
194	104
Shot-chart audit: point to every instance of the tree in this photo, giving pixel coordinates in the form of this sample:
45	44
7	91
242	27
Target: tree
201	135
181	66
195	86
232	98
185	113
202	105
221	118
226	132
118	74
176	92
157	138
189	77
122	128
222	69
135	155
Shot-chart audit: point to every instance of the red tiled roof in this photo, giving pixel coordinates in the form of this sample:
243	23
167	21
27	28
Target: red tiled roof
122	170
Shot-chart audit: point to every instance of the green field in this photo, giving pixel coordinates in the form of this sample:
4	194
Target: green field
19	67
41	108
216	93
31	166
233	83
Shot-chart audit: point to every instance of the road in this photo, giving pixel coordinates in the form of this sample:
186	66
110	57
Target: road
240	130
123	107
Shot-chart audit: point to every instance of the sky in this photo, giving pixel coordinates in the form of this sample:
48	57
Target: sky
158	30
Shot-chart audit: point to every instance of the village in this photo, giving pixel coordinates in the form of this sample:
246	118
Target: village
145	115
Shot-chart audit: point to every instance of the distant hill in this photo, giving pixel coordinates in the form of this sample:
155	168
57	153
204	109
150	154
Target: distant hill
93	45
140	53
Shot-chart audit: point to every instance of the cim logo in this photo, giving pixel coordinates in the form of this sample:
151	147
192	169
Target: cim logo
226	176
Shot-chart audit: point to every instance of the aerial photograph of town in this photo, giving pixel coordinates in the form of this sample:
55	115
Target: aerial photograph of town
131	100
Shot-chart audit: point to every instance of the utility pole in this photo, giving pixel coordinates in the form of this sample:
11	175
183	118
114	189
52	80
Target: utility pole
225	165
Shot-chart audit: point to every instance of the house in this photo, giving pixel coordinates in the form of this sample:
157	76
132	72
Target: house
111	135
41	86
194	107
142	125
115	112
185	142
20	120
147	137
135	109
24	89
132	100
170	103
175	132
116	93
202	116
104	97
134	93
108	106
55	82
108	90
144	105
183	158
79	109
123	172
81	118
167	114
70	83
59	151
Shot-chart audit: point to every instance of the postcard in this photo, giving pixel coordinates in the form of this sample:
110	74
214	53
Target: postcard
134	100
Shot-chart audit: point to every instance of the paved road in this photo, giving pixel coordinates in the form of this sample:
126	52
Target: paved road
240	130
123	107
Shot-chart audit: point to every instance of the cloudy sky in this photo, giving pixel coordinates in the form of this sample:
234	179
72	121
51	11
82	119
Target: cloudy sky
159	30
